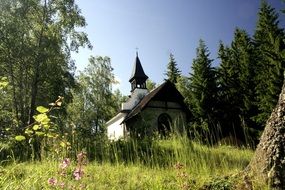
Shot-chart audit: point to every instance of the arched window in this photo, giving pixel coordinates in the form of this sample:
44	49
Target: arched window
164	122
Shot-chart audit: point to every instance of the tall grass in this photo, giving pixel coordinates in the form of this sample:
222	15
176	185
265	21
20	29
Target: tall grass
166	153
175	162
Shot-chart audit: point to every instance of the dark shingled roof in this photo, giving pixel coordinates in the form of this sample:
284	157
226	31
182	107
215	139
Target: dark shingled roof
165	92
138	72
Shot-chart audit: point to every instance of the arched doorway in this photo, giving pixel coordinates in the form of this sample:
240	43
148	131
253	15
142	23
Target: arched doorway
164	122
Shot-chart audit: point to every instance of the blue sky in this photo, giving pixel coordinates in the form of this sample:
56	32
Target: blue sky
159	27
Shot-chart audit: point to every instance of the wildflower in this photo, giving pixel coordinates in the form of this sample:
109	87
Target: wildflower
178	166
78	173
182	175
65	163
80	157
61	185
52	181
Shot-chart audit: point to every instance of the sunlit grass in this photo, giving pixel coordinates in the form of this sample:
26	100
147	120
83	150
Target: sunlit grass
176	163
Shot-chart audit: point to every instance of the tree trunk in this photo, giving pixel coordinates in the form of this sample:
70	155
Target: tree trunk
268	163
35	83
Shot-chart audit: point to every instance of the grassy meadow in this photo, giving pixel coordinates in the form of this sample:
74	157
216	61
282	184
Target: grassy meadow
176	163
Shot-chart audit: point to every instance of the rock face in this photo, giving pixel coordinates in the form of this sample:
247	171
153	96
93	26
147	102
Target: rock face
268	163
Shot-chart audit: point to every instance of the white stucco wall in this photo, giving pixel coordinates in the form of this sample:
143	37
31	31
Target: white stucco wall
116	130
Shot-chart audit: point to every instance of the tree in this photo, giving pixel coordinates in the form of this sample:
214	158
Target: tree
237	86
150	85
268	163
94	103
269	71
203	89
36	40
172	72
182	86
6	116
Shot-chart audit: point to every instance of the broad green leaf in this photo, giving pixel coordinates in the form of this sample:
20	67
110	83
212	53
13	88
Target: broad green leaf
42	109
46	126
20	138
36	127
62	144
49	135
40	133
29	132
42	118
3	84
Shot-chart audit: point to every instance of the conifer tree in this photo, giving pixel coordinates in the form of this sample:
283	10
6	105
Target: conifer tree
173	73
203	88
228	91
236	85
269	71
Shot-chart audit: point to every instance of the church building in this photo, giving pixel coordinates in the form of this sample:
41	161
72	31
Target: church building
145	113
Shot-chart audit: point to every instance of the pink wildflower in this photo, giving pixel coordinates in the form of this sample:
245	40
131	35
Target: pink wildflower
78	173
178	166
65	163
80	157
52	181
61	185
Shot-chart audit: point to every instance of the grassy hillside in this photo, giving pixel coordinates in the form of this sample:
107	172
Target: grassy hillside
165	164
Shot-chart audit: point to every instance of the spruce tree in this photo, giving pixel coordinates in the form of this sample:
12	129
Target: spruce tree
269	71
237	85
229	97
172	73
203	89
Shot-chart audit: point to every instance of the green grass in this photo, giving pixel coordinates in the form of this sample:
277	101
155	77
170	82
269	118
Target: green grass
133	165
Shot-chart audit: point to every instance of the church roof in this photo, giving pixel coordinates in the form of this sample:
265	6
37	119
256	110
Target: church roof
165	92
138	71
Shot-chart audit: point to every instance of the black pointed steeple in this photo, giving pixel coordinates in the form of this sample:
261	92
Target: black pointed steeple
138	77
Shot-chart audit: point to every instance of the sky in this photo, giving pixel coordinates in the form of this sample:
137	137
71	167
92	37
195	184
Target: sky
156	28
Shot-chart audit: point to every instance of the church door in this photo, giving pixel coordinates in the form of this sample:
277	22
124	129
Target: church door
164	122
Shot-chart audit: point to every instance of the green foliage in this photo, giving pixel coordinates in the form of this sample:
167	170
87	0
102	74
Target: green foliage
202	87
40	132
93	104
270	68
42	109
172	73
182	86
20	138
3	82
36	40
237	98
219	184
150	85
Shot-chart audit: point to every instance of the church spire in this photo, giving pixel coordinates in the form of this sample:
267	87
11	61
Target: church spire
138	77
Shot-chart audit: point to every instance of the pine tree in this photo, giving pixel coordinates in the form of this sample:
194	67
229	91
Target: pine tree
173	73
269	71
203	88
